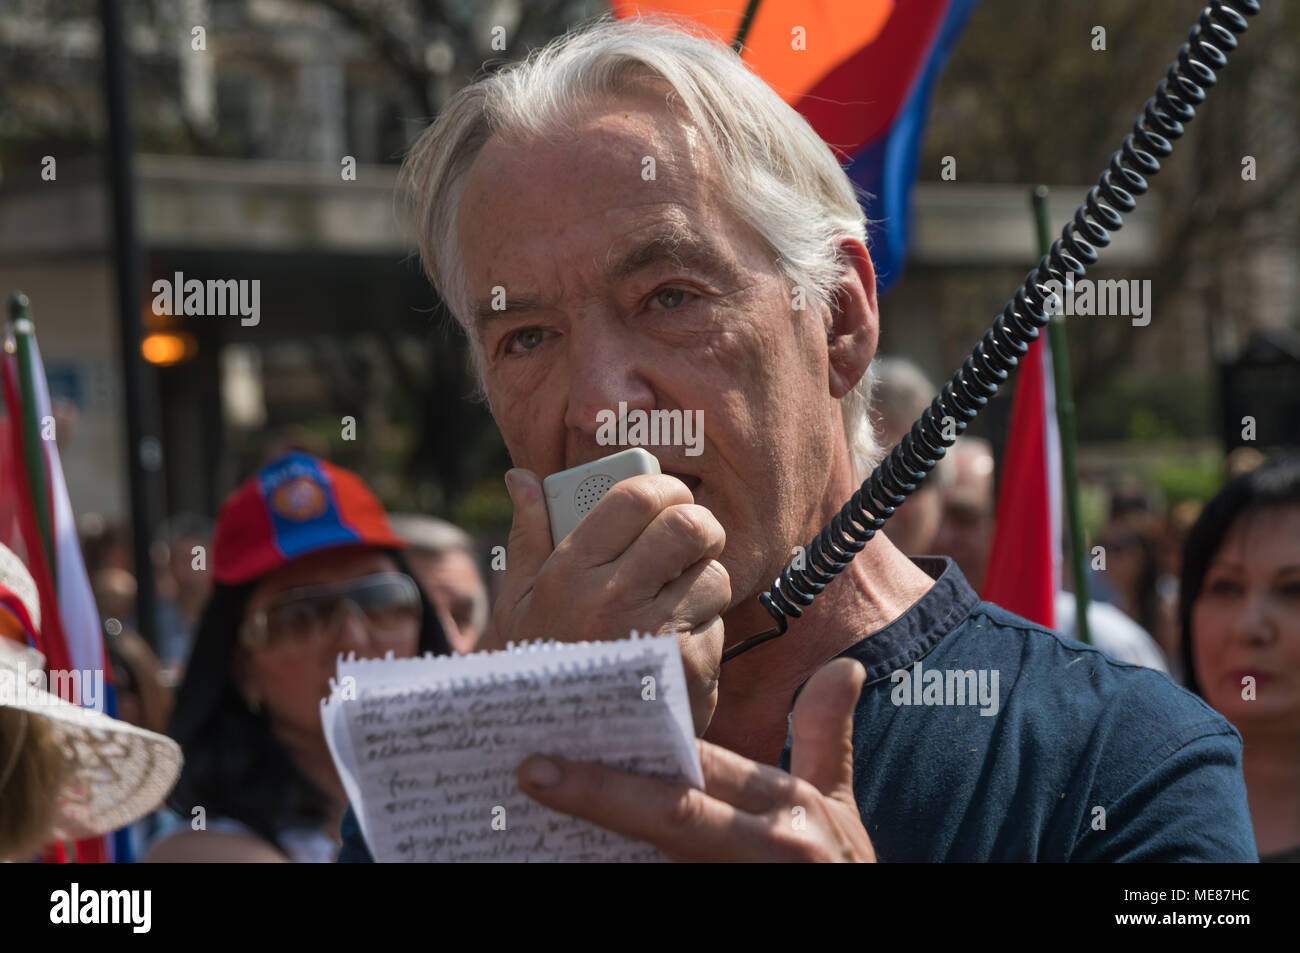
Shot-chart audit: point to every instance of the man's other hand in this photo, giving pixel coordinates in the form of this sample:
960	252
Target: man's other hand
747	810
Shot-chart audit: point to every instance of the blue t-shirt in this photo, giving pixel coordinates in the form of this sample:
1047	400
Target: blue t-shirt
1076	757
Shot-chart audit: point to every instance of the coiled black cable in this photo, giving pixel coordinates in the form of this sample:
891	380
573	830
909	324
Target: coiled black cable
1162	120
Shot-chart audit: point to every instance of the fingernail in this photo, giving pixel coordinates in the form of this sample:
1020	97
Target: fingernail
511	482
543	772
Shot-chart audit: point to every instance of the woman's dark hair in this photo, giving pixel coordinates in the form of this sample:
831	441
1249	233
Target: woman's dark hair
234	766
1273	484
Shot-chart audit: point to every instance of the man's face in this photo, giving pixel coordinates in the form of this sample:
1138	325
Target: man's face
599	311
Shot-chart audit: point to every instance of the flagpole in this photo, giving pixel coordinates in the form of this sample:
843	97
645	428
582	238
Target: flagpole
33	455
746	21
143	452
1065	424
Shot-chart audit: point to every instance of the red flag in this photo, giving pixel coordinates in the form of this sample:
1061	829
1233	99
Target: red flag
1023	569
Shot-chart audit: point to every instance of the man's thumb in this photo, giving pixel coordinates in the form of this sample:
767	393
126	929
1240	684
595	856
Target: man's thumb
530	532
822	727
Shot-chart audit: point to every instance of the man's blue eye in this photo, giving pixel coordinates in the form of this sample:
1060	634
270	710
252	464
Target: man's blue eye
528	338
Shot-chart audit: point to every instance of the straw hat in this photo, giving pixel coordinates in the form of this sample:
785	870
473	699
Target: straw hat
116	771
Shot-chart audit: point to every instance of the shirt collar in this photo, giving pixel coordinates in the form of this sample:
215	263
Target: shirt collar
913	634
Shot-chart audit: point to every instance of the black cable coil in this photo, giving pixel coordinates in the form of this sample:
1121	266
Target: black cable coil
1162	120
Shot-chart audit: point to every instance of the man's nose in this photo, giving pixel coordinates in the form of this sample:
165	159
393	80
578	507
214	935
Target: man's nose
606	370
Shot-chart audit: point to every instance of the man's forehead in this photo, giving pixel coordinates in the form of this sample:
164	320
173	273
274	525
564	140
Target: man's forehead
624	152
629	188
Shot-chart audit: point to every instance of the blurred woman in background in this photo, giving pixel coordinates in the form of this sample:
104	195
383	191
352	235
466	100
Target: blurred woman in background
306	567
1240	614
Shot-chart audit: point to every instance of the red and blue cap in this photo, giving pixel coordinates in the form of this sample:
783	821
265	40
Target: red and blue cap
297	504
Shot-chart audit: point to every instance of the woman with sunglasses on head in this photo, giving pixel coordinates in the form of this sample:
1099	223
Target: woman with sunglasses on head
306	567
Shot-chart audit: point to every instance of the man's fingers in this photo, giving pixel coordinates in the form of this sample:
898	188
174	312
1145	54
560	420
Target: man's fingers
700	594
701	650
527	550
746	785
675	540
822	728
684	823
693	605
622	515
530	530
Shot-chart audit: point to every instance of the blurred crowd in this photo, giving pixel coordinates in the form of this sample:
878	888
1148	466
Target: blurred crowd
254	755
1134	560
303	563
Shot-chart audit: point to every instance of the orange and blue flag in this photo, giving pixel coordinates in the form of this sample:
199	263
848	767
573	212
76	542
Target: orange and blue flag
860	72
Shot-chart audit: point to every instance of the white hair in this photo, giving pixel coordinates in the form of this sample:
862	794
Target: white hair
777	174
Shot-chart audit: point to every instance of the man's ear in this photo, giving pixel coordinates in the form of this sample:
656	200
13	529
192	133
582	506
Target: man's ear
855	322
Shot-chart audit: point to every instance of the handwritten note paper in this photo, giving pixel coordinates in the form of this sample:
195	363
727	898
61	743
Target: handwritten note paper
427	748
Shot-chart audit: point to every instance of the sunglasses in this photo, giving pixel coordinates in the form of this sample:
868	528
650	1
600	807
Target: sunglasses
387	602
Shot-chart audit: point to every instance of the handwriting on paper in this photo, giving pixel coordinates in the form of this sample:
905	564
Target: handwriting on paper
430	746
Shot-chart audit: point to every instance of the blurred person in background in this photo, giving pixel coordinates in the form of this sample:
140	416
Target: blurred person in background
966	523
1241	461
966	534
114	590
143	699
445	562
1169	558
902	393
306	567
105	544
1239	607
53	786
184	585
1131	543
1131	499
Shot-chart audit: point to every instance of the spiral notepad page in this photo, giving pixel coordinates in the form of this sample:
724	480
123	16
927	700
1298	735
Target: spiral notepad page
428	747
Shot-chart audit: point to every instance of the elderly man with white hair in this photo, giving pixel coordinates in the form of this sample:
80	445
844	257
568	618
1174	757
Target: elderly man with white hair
632	217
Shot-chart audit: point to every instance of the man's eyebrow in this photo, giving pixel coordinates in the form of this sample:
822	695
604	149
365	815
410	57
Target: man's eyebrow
683	250
484	310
